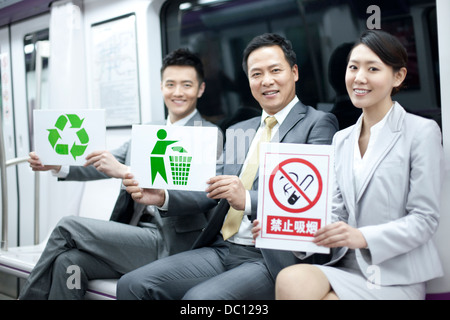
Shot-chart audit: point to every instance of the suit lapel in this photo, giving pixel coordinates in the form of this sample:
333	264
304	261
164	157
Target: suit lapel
296	114
196	120
347	168
385	141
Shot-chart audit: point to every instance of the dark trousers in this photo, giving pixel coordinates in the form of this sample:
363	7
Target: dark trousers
223	271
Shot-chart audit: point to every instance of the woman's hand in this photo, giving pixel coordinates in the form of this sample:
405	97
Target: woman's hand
340	234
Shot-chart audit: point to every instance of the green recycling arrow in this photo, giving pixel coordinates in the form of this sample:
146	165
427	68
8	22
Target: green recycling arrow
61	122
62	149
77	150
75	121
54	135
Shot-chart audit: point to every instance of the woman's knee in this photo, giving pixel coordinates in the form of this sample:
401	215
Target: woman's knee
301	281
288	277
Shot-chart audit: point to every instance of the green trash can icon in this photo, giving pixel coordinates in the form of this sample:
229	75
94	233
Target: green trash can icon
180	166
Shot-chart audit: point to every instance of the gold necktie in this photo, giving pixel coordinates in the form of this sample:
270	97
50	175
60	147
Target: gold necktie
234	217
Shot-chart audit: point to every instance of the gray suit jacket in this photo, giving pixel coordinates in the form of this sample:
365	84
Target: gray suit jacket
303	124
397	205
178	232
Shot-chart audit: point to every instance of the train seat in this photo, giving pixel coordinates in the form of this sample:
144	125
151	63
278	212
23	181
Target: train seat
20	261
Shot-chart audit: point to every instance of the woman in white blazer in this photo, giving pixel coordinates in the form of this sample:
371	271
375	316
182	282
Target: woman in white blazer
389	168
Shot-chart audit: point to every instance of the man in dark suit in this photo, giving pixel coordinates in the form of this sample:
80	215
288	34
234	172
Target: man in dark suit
108	249
225	263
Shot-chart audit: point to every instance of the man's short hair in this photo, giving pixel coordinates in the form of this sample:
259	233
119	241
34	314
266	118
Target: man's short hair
184	57
268	40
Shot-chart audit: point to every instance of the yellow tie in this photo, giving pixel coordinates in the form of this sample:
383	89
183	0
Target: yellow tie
234	217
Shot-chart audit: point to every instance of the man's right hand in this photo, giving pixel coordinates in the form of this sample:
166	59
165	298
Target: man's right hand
105	162
36	164
154	197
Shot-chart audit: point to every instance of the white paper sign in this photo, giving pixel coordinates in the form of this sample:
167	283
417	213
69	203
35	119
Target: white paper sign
66	137
294	195
173	157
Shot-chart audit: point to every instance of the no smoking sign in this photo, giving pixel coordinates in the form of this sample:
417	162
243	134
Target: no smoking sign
295	185
294	199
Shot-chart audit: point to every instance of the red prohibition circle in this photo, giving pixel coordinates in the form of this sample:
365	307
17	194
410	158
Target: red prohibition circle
272	193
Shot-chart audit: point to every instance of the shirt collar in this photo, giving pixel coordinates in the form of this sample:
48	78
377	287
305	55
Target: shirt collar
377	127
282	114
182	121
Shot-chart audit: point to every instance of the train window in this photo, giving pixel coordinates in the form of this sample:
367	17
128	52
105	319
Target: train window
430	17
218	30
36	51
36	64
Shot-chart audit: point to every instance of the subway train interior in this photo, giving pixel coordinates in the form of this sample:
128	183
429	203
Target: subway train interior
107	54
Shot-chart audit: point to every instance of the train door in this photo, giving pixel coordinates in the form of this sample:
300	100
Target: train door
31	64
24	36
7	125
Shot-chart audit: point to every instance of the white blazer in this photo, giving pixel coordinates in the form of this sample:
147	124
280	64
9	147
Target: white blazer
397	205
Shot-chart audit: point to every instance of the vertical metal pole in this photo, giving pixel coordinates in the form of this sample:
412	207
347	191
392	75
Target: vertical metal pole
4	187
41	51
36	206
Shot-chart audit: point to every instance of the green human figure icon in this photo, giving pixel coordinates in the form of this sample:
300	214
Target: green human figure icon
157	157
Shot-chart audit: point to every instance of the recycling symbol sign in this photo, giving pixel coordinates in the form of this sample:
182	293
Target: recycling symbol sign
63	124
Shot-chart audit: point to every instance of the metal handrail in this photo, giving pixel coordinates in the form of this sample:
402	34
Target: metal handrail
15	161
4	187
42	50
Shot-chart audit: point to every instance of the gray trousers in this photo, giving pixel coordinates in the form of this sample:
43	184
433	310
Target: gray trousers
98	249
221	272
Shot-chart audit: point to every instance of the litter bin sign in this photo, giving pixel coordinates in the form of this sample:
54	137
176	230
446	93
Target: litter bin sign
181	158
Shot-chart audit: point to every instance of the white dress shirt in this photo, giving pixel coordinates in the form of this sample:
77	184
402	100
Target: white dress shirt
244	235
360	163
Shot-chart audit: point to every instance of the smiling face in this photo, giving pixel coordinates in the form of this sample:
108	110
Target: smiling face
272	79
181	89
369	80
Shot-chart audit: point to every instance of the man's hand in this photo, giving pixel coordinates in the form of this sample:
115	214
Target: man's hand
154	197
256	230
229	188
36	164
105	162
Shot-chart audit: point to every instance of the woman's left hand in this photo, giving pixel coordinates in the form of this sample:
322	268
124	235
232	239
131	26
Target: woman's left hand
340	234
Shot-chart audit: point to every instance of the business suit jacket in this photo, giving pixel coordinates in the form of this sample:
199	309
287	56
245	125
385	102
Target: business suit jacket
397	205
178	232
303	124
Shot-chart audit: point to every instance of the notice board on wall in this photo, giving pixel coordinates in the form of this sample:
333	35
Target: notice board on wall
115	70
